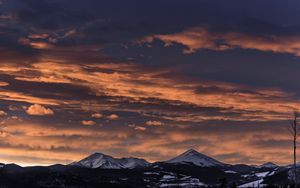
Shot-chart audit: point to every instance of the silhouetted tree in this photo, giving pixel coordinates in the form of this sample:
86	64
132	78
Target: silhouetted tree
223	182
233	185
295	131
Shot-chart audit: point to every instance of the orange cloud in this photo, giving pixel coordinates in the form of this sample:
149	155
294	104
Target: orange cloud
131	81
2	113
39	110
113	116
50	143
88	122
45	144
97	115
21	97
2	84
154	123
38	36
40	45
138	128
201	38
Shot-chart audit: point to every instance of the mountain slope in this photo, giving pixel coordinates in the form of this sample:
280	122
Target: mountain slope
133	162
268	165
198	159
99	160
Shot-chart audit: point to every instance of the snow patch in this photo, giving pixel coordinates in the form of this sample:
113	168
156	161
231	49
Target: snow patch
257	183
230	172
262	174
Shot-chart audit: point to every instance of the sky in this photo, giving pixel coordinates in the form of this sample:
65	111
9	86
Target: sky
148	79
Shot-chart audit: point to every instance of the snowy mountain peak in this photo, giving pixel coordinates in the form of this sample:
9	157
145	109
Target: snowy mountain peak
99	160
269	165
191	152
193	156
98	155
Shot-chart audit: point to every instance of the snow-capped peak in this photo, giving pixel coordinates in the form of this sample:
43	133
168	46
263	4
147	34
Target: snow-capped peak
268	165
198	159
99	160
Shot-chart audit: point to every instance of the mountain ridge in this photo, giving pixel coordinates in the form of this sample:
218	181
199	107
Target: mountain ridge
198	159
191	169
190	156
100	160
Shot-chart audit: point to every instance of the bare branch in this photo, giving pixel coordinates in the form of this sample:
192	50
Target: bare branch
291	131
295	132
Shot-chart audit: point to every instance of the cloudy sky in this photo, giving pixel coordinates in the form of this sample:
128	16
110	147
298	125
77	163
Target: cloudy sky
148	79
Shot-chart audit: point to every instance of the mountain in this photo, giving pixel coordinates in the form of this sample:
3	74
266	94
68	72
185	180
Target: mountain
133	162
198	159
99	160
268	165
190	169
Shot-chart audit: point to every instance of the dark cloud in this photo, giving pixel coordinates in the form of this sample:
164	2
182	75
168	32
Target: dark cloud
272	143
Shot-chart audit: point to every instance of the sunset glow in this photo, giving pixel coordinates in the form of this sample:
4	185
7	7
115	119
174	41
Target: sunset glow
80	79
